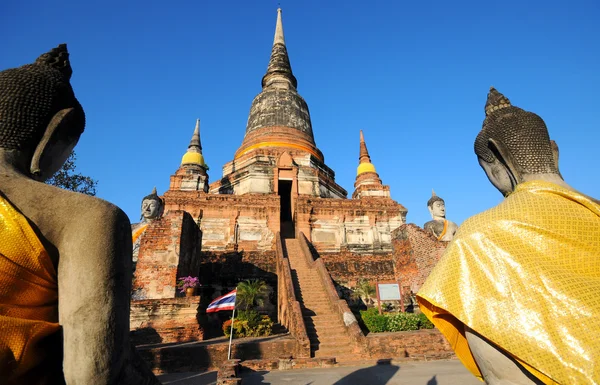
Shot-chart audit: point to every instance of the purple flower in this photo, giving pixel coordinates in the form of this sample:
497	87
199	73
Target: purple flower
185	282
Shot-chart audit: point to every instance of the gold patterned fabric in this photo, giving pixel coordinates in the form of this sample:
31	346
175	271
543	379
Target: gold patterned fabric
526	276
28	300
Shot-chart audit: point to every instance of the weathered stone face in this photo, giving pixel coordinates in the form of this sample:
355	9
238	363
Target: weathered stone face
438	209
151	208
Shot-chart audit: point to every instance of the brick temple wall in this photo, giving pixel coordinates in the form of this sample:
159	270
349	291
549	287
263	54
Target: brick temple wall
346	268
237	265
169	248
206	355
165	320
418	344
230	222
416	252
360	226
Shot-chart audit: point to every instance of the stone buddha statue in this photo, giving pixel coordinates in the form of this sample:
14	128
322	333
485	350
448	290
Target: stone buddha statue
64	257
152	209
507	290
439	226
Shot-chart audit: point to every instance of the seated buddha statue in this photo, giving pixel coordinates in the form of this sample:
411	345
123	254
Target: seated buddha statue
152	209
439	226
65	257
516	292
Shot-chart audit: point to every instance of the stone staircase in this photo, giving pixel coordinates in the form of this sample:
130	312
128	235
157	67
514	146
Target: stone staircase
325	329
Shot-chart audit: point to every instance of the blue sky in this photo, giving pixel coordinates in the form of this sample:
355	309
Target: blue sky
413	75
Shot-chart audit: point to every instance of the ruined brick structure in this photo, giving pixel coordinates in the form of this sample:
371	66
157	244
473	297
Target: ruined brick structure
416	252
277	183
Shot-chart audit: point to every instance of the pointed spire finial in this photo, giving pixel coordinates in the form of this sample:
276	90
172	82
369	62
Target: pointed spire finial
495	101
154	191
279	30
433	193
279	71
195	142
364	153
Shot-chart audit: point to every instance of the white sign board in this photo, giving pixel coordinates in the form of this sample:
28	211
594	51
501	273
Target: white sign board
389	291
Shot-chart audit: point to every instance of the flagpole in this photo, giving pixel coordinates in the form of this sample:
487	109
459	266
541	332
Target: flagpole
231	335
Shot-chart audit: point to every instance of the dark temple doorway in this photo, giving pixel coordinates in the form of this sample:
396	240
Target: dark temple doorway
285	213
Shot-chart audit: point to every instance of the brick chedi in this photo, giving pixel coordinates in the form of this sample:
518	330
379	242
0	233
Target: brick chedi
367	180
279	123
192	175
277	182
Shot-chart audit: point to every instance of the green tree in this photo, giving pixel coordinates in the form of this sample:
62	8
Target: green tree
251	293
68	179
364	290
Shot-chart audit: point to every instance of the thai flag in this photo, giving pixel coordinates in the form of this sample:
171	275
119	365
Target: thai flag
224	302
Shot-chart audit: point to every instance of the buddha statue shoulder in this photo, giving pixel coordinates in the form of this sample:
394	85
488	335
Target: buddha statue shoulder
439	226
66	258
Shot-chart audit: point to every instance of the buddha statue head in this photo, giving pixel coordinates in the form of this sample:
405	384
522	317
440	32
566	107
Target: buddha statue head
152	206
514	146
41	120
436	207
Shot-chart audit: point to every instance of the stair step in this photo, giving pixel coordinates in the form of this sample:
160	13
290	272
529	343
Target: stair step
344	357
328	338
335	351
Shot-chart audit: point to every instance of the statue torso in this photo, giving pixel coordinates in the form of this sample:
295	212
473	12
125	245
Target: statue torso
436	227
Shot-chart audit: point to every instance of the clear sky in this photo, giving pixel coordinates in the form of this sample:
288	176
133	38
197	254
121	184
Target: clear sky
413	75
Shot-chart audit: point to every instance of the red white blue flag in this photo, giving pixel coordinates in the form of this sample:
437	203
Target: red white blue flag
224	302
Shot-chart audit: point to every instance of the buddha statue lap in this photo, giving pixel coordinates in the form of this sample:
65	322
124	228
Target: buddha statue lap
65	258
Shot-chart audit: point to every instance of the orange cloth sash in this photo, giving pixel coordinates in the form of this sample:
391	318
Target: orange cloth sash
28	298
444	230
139	231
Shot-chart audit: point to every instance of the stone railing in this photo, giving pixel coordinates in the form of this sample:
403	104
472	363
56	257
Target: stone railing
289	312
338	305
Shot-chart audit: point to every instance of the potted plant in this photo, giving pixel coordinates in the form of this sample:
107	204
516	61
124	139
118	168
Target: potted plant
188	285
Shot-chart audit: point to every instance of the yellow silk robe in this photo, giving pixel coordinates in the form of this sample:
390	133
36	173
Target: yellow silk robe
525	275
28	302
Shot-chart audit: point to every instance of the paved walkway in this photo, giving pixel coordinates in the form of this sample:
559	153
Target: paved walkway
444	372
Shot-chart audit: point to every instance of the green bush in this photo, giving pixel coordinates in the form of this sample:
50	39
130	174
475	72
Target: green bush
264	327
400	322
375	322
393	322
249	326
251	316
424	322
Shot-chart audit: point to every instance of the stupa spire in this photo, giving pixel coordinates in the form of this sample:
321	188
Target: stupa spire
279	72
363	156
279	30
193	155
195	144
367	181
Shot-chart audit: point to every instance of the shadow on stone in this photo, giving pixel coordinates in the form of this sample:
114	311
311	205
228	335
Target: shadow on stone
379	374
205	378
253	377
145	335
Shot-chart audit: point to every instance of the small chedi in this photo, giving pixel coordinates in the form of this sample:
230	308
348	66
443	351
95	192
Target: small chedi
439	226
516	292
65	258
